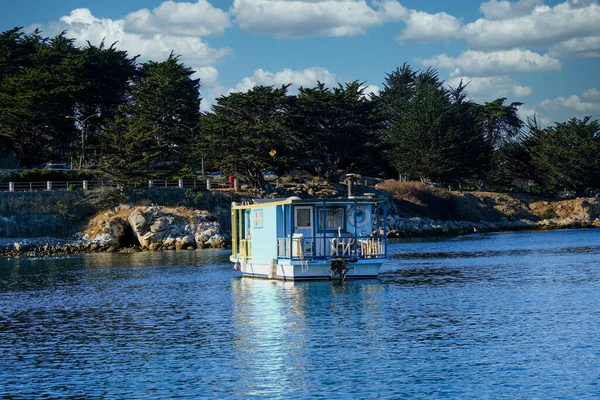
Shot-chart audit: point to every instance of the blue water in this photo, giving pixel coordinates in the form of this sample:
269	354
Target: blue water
514	315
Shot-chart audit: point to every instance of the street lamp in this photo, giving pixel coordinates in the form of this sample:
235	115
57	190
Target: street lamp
82	127
193	160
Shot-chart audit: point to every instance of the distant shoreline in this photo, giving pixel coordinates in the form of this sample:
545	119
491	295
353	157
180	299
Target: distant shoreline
55	247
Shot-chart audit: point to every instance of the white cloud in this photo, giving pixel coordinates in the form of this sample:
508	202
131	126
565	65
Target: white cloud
545	26
497	10
483	89
305	77
561	109
188	19
371	90
298	18
83	26
522	91
592	95
573	103
478	63
587	47
580	3
308	77
422	27
569	29
526	113
208	76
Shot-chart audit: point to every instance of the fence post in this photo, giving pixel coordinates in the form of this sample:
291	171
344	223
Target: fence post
236	184
208	183
150	183
48	185
85	185
181	184
11	186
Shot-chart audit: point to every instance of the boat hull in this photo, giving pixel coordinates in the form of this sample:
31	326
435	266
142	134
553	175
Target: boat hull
309	270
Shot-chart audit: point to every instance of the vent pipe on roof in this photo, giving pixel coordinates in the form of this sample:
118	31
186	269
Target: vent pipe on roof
350	178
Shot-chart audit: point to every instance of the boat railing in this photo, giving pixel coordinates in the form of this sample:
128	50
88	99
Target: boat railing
302	247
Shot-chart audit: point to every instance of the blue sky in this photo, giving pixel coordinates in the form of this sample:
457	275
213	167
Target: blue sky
545	54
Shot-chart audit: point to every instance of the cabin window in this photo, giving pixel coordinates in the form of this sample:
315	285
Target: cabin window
335	219
258	219
303	217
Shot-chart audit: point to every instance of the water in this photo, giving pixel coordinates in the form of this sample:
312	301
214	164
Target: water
484	316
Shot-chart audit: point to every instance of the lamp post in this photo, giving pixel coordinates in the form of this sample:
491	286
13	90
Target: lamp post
82	127
193	160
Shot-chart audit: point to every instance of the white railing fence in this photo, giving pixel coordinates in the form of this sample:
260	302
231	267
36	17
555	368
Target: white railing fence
202	184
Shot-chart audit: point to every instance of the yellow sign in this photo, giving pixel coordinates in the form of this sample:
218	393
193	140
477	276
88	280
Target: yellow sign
273	152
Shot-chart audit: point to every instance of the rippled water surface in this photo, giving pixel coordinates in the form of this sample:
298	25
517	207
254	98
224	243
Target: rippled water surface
513	315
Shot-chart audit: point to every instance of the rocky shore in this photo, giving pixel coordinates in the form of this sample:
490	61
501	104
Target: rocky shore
415	211
158	229
129	229
52	247
422	227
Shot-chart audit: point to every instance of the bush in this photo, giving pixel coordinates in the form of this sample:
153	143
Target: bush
548	214
415	192
43	175
417	199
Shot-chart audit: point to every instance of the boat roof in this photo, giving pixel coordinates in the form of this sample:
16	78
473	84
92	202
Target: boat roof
256	203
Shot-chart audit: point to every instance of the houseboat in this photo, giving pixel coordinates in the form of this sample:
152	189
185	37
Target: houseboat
296	239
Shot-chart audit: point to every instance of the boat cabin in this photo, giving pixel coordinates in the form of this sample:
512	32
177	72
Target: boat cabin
293	231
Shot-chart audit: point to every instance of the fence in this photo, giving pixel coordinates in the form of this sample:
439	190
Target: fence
202	184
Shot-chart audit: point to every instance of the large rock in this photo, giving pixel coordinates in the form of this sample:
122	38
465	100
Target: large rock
22	246
138	222
158	228
216	241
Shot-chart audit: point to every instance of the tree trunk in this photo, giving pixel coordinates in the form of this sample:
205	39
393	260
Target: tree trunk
483	182
257	181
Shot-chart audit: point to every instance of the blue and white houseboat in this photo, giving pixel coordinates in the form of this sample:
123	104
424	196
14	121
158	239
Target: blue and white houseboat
296	239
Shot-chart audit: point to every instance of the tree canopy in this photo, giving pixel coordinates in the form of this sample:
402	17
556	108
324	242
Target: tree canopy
431	132
133	121
338	129
247	133
567	155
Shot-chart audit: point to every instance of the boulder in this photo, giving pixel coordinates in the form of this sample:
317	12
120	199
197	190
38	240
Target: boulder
154	246
137	221
216	241
170	241
159	226
184	242
22	246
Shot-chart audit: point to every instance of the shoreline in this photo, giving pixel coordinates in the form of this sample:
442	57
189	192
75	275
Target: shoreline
402	228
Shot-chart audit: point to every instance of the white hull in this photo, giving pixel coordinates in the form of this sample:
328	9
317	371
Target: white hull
304	270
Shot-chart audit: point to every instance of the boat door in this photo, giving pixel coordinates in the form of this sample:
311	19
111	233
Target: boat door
303	221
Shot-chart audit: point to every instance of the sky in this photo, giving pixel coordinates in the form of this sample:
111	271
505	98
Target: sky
544	54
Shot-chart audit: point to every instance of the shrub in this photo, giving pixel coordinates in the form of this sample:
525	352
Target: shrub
548	213
43	175
415	192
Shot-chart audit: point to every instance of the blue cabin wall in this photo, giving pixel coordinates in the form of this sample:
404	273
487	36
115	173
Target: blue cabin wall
264	239
281	220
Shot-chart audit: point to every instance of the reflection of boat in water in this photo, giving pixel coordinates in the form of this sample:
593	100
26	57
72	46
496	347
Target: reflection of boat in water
295	239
